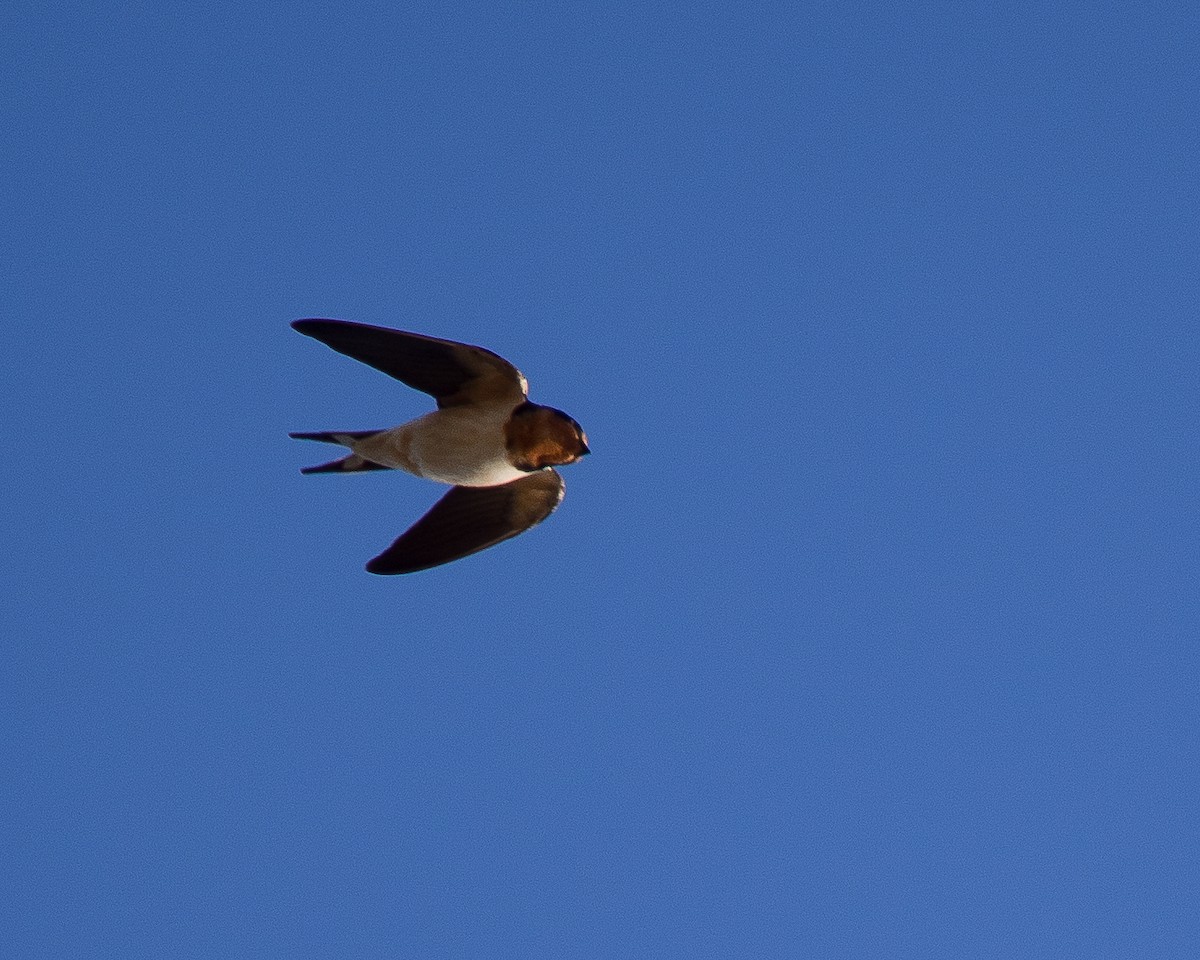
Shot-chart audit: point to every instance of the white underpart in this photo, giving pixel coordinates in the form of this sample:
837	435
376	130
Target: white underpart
460	445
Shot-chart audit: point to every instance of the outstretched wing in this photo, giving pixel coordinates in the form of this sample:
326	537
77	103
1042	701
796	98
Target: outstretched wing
453	373
469	519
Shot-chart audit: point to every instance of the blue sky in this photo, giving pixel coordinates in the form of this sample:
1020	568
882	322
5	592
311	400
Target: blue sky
868	630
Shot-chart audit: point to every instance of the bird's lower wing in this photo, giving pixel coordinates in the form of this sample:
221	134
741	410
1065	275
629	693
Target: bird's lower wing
469	519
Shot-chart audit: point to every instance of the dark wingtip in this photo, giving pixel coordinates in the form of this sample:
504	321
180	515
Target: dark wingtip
380	570
308	325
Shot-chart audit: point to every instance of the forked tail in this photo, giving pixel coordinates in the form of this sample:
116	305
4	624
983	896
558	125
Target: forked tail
350	464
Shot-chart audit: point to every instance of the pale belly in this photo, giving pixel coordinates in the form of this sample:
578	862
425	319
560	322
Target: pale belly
455	446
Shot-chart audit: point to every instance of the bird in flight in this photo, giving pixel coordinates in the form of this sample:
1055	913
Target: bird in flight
486	439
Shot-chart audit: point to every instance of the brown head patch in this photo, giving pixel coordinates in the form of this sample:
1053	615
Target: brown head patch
537	436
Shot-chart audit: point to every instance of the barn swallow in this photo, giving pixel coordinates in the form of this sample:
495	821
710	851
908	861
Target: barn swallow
486	439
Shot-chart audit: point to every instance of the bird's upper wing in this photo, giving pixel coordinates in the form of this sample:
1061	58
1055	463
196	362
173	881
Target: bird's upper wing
469	519
453	373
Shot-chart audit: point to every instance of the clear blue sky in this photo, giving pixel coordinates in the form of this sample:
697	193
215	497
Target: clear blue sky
868	630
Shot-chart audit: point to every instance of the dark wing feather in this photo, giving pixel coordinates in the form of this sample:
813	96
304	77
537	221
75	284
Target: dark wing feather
469	519
451	372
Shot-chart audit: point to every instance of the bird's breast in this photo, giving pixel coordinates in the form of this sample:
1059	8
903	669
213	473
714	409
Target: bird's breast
460	446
